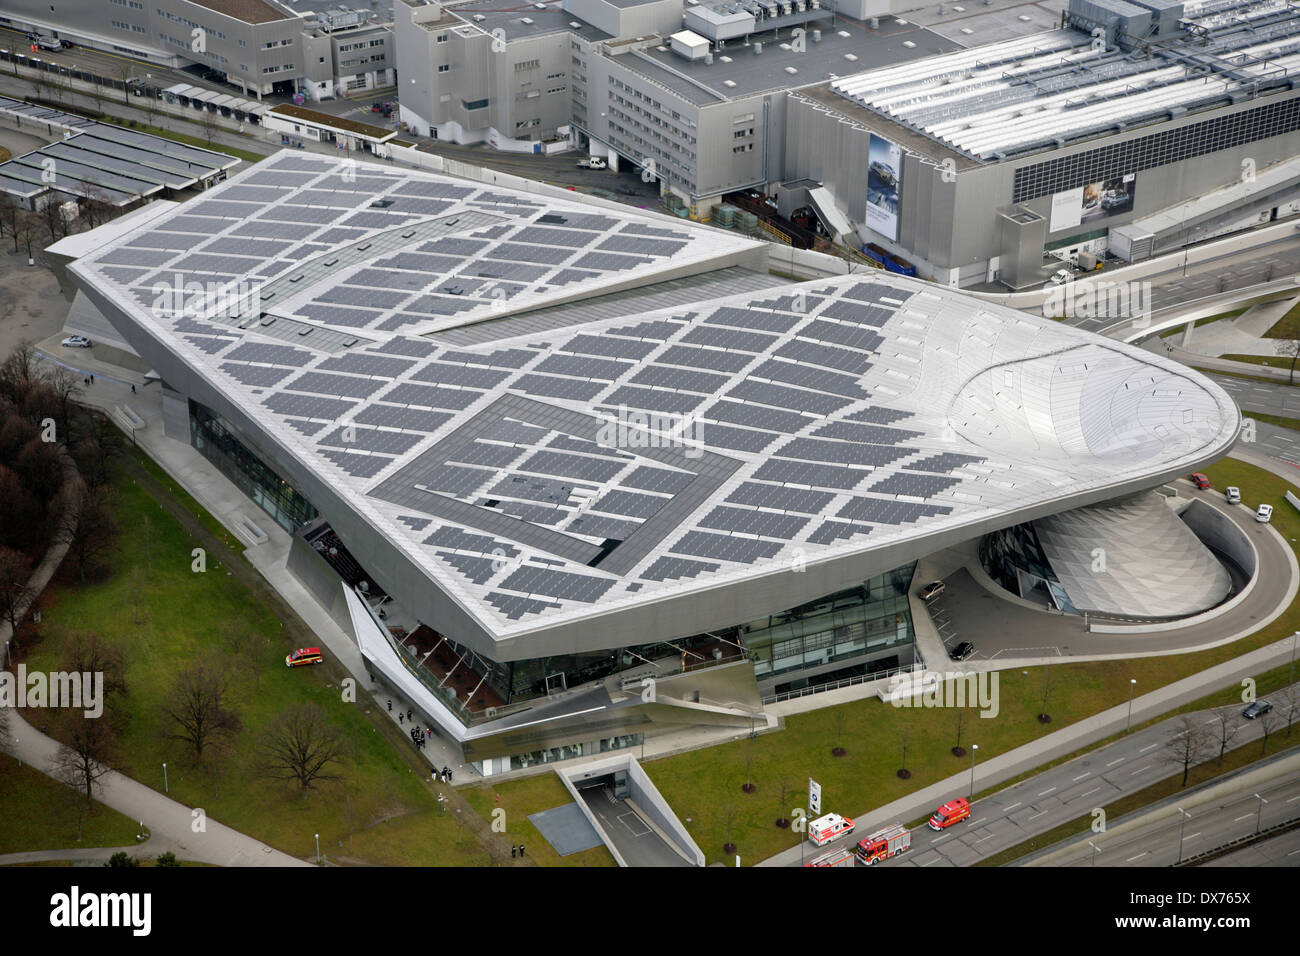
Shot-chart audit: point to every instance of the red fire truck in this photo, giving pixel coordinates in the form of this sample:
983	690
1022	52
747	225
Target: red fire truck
885	843
952	812
842	856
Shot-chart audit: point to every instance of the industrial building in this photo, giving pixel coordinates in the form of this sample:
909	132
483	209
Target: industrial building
261	46
1172	124
572	478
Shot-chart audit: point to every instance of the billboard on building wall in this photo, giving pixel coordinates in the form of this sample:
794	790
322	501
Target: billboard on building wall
884	167
1093	202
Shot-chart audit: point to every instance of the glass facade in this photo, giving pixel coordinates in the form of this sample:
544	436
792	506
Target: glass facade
1015	559
569	751
846	625
219	443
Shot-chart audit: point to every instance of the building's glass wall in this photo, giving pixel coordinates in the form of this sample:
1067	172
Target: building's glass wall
218	442
569	751
1015	559
841	626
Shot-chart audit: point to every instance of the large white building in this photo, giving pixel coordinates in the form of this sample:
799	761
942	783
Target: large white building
533	450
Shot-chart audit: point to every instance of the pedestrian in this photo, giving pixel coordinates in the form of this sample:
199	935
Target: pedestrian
514	850
92	378
521	849
390	705
408	715
85	380
401	717
428	732
132	389
449	775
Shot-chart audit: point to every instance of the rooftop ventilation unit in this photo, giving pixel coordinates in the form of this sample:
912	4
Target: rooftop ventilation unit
527	20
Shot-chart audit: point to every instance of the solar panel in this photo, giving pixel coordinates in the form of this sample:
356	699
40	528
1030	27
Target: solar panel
807	473
757	416
259	376
704	358
434	396
364	363
657	479
729	339
749	521
447	536
552	387
478	570
455	480
884	511
558	584
871	434
360	466
326	384
371	439
271	354
737	439
599	470
664	376
609	262
460	375
613	347
918	486
831	531
484	453
778	396
515	607
725	547
777	496
752	319
642	247
812	378
309	406
584	366
666	568
827	356
398	346
600	526
947	461
630	504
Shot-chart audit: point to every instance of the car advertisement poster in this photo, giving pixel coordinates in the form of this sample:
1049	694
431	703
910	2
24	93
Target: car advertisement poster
1093	202
885	161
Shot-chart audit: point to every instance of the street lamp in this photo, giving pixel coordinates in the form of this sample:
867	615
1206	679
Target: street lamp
1181	827
166	788
1095	851
1260	812
973	748
1291	676
318	849
1132	683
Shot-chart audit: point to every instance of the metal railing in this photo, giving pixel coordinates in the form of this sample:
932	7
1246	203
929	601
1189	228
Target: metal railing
846	682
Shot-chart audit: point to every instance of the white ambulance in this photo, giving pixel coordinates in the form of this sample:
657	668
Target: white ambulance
830	827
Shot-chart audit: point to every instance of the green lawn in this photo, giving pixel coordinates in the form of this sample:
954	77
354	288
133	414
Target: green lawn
1287	327
40	814
525	796
166	618
1282	362
1242	375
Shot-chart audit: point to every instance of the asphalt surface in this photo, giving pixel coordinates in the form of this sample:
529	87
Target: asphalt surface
1156	842
637	843
1075	789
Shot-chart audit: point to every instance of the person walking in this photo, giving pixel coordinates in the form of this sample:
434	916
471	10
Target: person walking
401	717
521	849
513	851
390	705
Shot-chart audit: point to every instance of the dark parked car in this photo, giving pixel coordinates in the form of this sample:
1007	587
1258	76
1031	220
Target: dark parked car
1257	709
962	651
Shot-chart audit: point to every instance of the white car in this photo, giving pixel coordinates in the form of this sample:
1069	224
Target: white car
595	162
76	342
1264	514
1061	277
1233	494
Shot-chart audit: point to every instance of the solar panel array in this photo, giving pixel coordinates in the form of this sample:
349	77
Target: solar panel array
684	448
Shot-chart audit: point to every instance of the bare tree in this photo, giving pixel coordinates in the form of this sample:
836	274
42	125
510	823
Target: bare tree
87	526
86	652
1049	685
199	709
300	745
783	786
85	757
209	125
1290	709
957	749
25	229
50	218
749	786
729	827
838	750
1225	727
1188	745
1290	348
1267	721
15	594
903	772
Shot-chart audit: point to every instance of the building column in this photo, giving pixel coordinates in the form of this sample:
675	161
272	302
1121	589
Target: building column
1187	333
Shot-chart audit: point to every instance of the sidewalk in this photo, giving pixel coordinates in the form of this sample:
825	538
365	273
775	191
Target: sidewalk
166	819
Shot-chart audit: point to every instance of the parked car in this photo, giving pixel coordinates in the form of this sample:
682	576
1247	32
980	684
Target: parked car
962	651
932	590
1200	481
952	812
593	162
1233	494
76	342
1061	277
1256	708
1264	514
303	656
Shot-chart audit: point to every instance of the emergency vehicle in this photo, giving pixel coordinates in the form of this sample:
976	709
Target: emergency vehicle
842	856
952	812
304	656
885	843
830	827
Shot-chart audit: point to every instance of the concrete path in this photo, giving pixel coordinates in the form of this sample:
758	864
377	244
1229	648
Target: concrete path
95	856
173	822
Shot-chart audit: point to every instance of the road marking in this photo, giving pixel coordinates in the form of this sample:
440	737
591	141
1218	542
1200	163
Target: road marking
1092	791
1151	747
1246	817
1018	802
1136	772
923	865
1138	857
1113	762
1035	816
1080	777
1047	791
1293	852
989	837
1294	799
1193	836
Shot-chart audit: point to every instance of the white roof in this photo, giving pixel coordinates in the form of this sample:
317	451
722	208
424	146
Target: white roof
526	476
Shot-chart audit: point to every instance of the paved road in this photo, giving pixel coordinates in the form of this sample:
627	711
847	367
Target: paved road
1153	839
1064	793
637	843
1283	850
